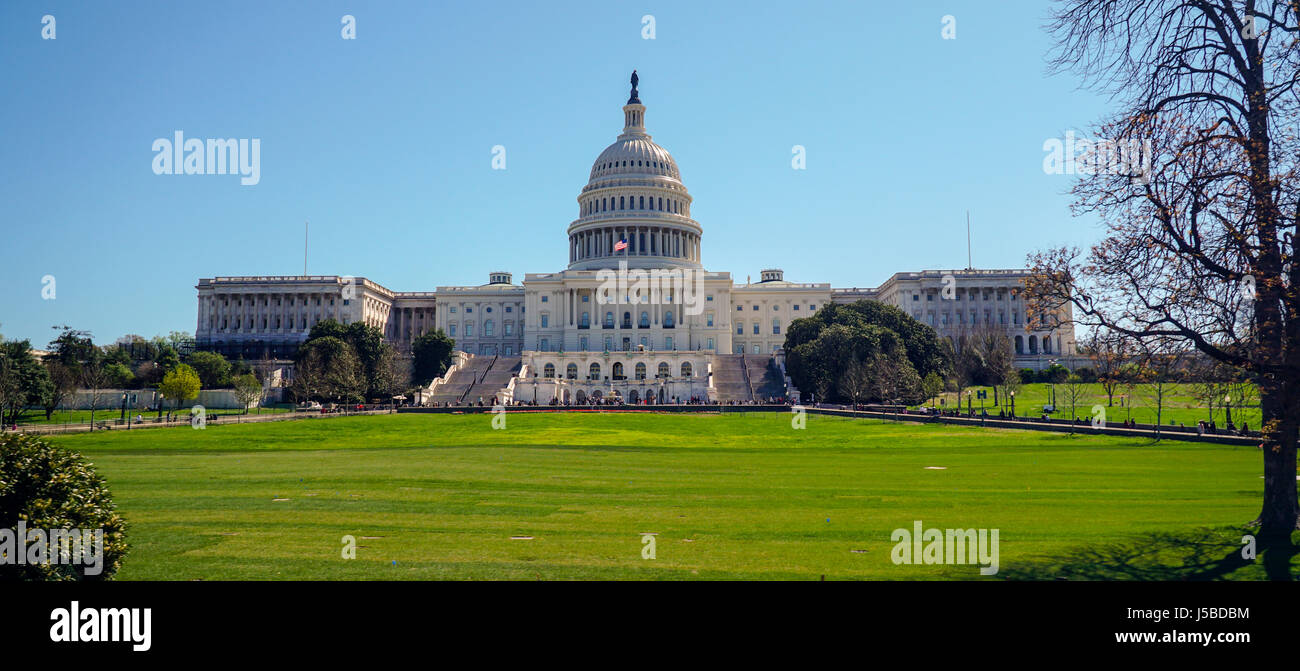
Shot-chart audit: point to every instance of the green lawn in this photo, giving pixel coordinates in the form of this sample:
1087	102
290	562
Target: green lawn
432	496
1138	402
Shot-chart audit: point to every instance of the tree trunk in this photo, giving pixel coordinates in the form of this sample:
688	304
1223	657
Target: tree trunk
1280	406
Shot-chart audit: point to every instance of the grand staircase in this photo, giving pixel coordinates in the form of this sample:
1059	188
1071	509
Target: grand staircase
729	379
456	389
764	377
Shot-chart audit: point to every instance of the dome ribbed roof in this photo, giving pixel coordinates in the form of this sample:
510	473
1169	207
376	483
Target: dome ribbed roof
636	155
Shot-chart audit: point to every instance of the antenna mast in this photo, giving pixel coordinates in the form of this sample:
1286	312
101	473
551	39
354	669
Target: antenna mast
969	265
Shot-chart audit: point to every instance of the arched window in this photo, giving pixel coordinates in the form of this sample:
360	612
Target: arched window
645	320
618	370
686	369
469	329
620	202
640	371
1020	344
488	328
663	369
627	320
548	370
668	317
642	206
609	320
594	371
571	371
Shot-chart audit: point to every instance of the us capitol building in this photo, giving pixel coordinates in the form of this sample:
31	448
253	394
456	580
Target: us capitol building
567	336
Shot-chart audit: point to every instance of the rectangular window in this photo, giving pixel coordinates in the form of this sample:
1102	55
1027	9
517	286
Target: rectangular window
668	343
710	344
710	319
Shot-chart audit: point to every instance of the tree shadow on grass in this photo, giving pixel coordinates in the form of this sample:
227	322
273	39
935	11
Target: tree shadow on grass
1200	554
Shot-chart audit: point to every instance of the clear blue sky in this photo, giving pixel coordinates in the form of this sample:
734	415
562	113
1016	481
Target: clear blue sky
384	143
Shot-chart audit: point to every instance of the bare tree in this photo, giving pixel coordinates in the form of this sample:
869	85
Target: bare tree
1074	391
1109	353
1200	247
63	380
1162	361
856	381
308	377
94	377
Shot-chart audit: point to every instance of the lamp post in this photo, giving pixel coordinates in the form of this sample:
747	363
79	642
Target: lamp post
1052	379
1227	408
1012	393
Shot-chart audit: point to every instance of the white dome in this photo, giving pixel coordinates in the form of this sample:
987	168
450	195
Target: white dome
635	155
634	195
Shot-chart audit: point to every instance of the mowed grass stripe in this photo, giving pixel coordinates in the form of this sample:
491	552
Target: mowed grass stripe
730	496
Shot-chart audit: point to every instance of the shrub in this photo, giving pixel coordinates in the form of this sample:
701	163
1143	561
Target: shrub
1026	376
1087	375
47	488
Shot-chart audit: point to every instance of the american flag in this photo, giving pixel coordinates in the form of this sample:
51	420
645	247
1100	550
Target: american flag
620	245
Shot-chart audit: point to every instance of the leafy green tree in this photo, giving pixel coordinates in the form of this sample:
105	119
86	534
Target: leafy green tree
932	386
213	369
167	358
367	343
119	375
820	348
341	375
180	384
432	352
24	381
48	488
63	383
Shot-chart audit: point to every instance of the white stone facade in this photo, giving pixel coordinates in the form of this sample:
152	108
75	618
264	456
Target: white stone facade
634	195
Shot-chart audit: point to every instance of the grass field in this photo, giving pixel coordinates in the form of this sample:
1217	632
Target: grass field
1180	405
432	496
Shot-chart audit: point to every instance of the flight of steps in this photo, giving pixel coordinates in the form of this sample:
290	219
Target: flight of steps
729	378
496	379
454	389
482	376
765	380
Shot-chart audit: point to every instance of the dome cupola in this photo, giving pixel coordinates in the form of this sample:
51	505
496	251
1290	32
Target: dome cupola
634	194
